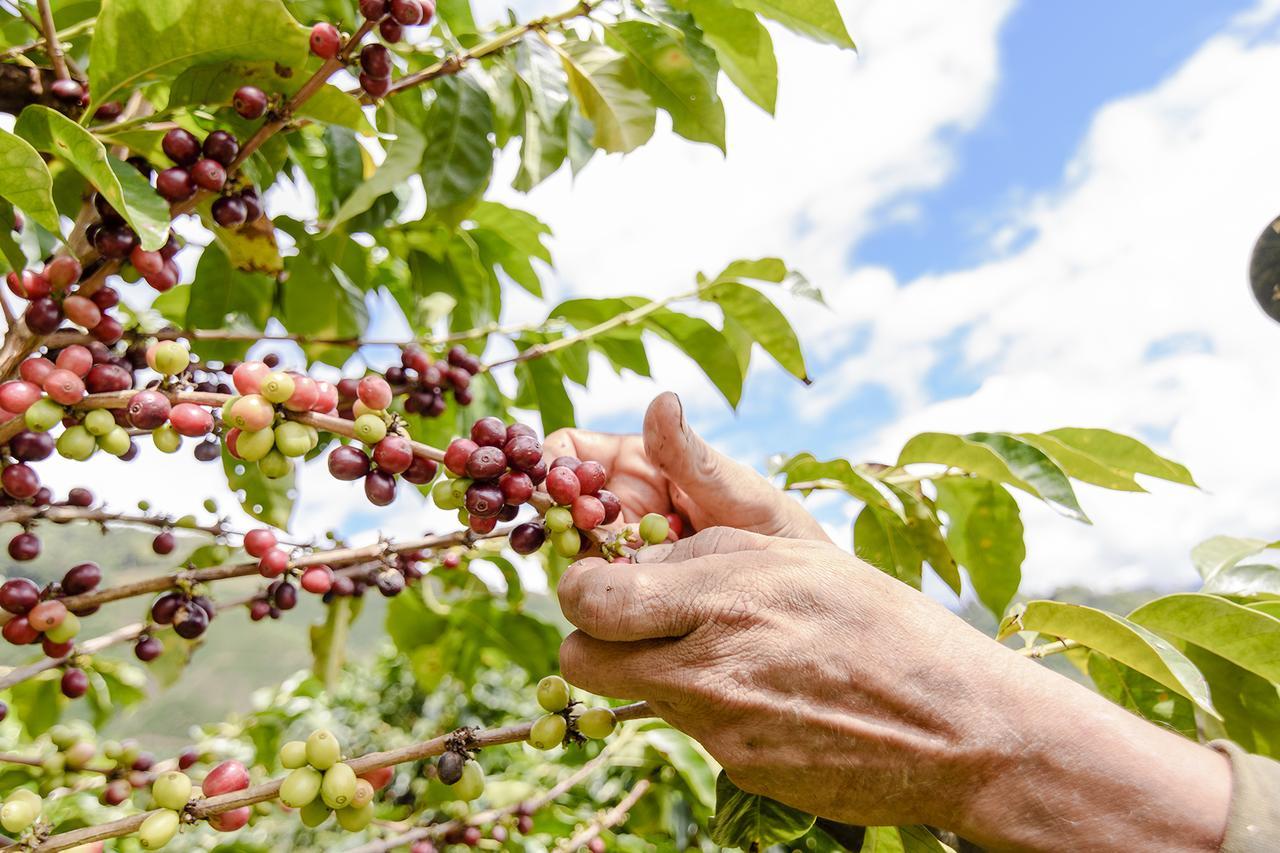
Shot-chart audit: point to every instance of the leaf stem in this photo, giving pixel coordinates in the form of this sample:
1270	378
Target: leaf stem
52	44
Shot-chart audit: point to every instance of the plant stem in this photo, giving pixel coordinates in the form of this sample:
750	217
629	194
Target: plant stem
608	820
52	44
203	808
1046	649
61	514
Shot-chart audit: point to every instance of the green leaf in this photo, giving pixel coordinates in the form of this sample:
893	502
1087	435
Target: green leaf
512	239
816	19
267	500
136	41
1142	695
750	821
250	248
459	156
25	181
689	759
329	639
1122	453
703	343
222	296
1250	704
1245	581
666	68
37	703
837	473
121	184
457	15
743	46
959	452
1033	466
1220	553
766	325
1116	637
1247	637
216	84
925	531
984	530
547	385
1080	465
882	539
605	87
14	256
319	300
404	156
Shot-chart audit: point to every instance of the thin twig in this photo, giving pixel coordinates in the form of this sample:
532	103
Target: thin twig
51	40
608	820
1046	649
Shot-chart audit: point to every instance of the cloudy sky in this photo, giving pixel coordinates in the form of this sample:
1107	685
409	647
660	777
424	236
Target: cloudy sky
1023	216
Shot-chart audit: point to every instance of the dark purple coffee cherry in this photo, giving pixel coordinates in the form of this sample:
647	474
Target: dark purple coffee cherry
449	767
43	316
148	649
407	13
348	463
252	205
250	102
181	146
286	596
390	584
81	579
221	146
374	87
28	446
67	90
484	500
390	30
18	595
374	10
74	683
190	622
148	410
109	215
486	463
115	242
80	497
375	59
175	184
230	212
380	488
24	547
209	175
208	451
164	543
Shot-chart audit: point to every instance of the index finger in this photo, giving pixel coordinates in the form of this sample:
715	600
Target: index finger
624	602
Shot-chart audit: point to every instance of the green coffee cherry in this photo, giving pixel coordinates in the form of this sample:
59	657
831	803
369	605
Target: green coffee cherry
64	630
115	441
354	820
323	749
158	829
443	497
252	446
339	786
471	785
567	542
293	439
99	422
171	790
300	787
210	505
547	732
553	693
370	429
314	813
277	386
363	795
24	795
171	358
76	443
654	528
597	723
17	815
293	755
275	465
43	415
459	488
167	439
558	519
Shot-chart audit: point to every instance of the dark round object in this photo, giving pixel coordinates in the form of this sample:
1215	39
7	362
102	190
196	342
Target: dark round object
422	471
105	297
28	446
67	90
407	13
24	547
250	102
209	175
375	59
348	463
230	211
109	215
484	500
103	378
394	454
56	650
259	609
325	40
108	330
591	477
190	622
390	584
374	87
380	488
20	481
110	111
80	497
81	579
486	463
489	432
374	10
175	184
516	486
43	316
523	452
390	30
221	146
163	543
286	596
18	595
181	146
449	767
208	451
74	683
528	537
612	505
148	410
252	205
148	649
205	603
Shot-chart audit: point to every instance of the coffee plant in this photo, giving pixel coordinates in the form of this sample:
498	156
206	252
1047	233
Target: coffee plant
154	278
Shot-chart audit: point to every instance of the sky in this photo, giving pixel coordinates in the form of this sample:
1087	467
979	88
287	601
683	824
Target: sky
1022	215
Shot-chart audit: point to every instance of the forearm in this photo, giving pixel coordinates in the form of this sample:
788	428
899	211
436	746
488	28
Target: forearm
1079	773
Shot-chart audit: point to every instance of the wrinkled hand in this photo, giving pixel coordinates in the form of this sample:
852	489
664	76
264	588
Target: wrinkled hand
671	469
818	681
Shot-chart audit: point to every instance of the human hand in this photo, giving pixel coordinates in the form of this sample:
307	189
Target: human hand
818	681
671	469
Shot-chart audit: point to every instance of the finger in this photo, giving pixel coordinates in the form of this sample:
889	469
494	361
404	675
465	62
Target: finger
622	602
709	478
619	670
704	543
583	444
637	482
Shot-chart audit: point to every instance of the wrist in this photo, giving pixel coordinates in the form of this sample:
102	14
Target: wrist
1057	767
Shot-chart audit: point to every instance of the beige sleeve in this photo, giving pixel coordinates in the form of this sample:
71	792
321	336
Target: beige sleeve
1253	824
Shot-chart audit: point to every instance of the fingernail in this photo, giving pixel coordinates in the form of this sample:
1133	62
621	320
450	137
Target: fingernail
684	424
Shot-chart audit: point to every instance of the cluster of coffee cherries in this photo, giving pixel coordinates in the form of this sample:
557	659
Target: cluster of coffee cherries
426	383
189	615
173	790
25	545
53	296
566	719
391	16
319	784
203	166
493	473
39	616
259	432
390	454
20	811
127	767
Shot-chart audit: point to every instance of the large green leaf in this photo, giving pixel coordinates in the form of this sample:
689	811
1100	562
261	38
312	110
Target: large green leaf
216	84
544	86
882	539
136	41
267	500
1122	453
816	19
925	532
25	181
837	473
1247	637
119	183
319	300
1249	704
667	69
1033	466
511	239
959	452
1116	637
703	343
1143	695
547	385
221	295
1219	553
459	156
404	155
1080	465
743	46
753	822
762	320
606	89
984	530
1247	580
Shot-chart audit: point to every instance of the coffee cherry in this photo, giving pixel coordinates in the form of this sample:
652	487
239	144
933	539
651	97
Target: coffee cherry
305	394
28	446
190	622
486	463
421	471
250	413
407	13
148	410
229	212
248	376
524	452
375	59
47	615
591	477
63	632
148	649
380	488
209	175
164	543
158	829
175	184
166	278
654	528
191	420
570	462
567	543
348	463
41	416
74	683
19	395
588	512
24	547
393	454
252	204
250	102
64	387
363	794
57	651
181	146
18	814
19	595
293	755
612	505
374	10
43	316
390	30
277	386
286	596
76	443
455	456
317	579
206	451
82	311
221	146
471	783
353	819
338	787
273	563
34	370
370	429
489	432
516	486
314	813
323	749
483	500
325	40
253	445
224	778
293	439
547	732
19	632
166	607
171	790
81	579
374	392
563	485
230	821
597	723
554	694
